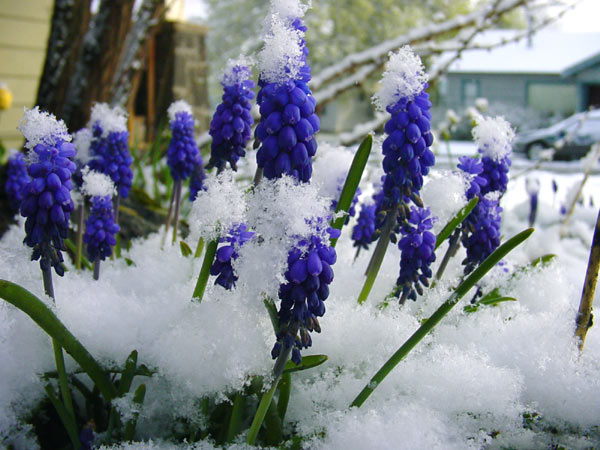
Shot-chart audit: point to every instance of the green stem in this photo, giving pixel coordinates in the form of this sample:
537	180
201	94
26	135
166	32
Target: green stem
239	403
73	248
257	176
138	399
452	248
285	387
211	250
435	318
267	397
97	268
378	255
67	420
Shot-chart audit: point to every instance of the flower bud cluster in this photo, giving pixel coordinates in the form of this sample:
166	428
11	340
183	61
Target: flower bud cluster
182	154
417	246
231	123
47	202
364	232
302	295
226	254
110	155
16	180
100	229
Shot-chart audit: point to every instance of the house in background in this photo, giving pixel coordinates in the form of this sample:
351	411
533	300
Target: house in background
550	72
175	68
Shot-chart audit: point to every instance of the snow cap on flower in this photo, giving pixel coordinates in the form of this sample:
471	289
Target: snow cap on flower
82	140
108	119
404	77
493	136
97	184
177	107
532	185
445	194
281	57
219	206
289	9
40	127
237	70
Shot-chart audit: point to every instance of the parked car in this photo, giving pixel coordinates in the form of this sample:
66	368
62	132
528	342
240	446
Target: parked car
570	138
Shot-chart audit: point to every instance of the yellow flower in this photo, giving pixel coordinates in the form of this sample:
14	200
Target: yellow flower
5	97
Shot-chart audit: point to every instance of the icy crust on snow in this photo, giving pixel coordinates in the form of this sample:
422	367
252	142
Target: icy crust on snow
404	76
40	127
281	57
493	136
444	195
177	107
218	207
110	120
82	140
237	70
97	184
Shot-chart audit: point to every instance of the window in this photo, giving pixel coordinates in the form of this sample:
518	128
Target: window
469	91
552	97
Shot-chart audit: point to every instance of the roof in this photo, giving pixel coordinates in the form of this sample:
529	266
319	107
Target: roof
549	52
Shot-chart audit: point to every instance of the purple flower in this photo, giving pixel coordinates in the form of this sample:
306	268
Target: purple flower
110	155
221	267
47	202
481	235
473	167
302	295
197	181
365	230
417	253
231	123
100	229
16	180
182	154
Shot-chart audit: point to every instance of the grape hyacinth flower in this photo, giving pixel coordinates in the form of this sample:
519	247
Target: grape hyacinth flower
532	186
407	159
417	247
226	254
406	149
302	295
183	157
482	234
288	120
109	148
365	232
47	202
100	229
231	123
16	179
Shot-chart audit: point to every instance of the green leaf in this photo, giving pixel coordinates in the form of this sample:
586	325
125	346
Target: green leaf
542	261
351	184
439	314
211	250
138	399
73	249
128	374
67	419
47	321
455	221
129	262
185	249
285	385
494	301
308	362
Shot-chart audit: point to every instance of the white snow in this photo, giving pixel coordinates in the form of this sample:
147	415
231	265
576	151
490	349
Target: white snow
289	9
444	195
404	76
82	141
243	72
110	119
41	127
493	136
97	184
177	107
281	56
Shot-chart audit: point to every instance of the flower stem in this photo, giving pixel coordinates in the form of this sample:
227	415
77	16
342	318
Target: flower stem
97	268
177	190
377	257
211	250
79	242
168	219
453	245
257	176
117	202
58	354
584	314
439	314
267	397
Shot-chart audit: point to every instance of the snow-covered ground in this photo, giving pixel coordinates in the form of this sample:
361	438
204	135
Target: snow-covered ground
503	377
